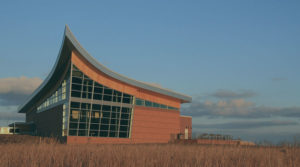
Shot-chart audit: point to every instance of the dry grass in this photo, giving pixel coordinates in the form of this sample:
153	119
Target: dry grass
45	153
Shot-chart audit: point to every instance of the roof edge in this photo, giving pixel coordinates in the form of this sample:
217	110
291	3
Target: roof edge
107	71
44	83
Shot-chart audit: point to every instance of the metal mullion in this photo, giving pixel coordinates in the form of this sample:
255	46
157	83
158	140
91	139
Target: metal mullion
102	94
121	107
80	111
131	117
109	123
90	115
83	84
100	121
78	122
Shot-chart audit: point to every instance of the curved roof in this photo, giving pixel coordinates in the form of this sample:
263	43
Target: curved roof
70	40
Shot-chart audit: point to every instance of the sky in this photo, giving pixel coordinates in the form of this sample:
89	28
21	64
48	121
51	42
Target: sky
239	60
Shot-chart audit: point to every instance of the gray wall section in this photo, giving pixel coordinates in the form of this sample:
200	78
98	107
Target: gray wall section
48	123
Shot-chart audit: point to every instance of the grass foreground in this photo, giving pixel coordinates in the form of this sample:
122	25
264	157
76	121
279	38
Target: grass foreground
47	153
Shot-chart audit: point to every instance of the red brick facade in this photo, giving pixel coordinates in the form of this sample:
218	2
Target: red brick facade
148	126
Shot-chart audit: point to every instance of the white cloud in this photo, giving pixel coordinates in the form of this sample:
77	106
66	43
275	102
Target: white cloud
14	91
19	85
238	108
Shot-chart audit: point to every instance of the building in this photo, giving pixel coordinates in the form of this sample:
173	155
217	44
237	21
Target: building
82	101
5	131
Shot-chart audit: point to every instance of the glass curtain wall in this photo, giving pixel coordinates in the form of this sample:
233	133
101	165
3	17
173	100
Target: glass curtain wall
97	110
59	95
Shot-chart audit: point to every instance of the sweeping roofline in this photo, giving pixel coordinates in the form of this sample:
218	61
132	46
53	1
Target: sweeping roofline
69	35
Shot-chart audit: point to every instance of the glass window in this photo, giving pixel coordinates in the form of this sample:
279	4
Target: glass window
96	114
148	103
77	80
98	90
106	108
107	98
124	122
172	108
139	102
76	87
163	106
156	105
123	128
96	107
126	100
73	125
103	133
75	94
106	114
72	132
98	97
98	85
108	91
94	119
58	95
82	133
75	105
77	74
123	135
88	82
85	106
126	110
125	116
75	114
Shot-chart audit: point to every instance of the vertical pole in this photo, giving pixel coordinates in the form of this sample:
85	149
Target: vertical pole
120	116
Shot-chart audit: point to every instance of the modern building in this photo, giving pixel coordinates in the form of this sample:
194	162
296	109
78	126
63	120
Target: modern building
82	101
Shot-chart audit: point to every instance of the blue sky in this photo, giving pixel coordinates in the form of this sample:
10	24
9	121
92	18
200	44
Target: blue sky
239	60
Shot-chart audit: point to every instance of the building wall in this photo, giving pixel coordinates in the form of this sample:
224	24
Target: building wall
149	125
49	122
154	125
186	123
5	130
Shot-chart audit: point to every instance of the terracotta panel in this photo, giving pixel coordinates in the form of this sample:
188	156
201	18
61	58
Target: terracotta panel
106	80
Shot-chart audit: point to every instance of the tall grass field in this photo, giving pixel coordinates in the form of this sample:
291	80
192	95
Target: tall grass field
46	152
